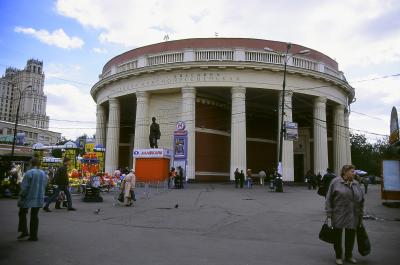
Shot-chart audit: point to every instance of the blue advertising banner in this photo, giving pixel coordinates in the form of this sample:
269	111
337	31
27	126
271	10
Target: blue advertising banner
20	139
180	147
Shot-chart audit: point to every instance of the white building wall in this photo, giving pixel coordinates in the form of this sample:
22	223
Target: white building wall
166	107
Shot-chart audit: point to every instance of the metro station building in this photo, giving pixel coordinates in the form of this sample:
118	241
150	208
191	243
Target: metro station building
228	93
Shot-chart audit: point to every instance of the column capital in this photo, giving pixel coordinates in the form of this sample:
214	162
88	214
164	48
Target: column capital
320	100
113	101
288	94
142	95
99	107
188	90
340	107
238	90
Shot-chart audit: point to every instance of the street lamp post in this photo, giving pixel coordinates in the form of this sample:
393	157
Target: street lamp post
282	129
21	92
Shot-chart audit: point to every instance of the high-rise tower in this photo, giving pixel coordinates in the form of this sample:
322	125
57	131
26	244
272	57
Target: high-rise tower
27	84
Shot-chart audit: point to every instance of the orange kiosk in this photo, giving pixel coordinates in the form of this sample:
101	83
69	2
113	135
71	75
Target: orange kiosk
152	164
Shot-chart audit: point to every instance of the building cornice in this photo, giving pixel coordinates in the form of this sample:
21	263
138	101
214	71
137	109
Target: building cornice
231	65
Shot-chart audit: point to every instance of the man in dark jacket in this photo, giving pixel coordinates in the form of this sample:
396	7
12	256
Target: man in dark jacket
180	178
326	180
62	182
237	177
241	179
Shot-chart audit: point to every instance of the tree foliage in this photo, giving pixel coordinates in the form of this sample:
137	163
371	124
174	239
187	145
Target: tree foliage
368	156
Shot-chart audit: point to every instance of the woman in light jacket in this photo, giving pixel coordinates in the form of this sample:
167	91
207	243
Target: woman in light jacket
128	185
345	206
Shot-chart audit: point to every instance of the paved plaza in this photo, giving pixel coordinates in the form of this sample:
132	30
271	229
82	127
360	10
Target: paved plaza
212	224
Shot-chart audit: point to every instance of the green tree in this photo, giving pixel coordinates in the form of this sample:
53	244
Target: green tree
368	156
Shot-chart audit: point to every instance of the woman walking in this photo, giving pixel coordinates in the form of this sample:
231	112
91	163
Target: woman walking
128	185
345	206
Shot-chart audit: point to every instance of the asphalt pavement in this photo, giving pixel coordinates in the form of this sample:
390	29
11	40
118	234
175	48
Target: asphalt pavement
200	225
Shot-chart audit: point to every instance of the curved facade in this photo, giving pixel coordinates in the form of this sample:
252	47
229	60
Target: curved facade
228	92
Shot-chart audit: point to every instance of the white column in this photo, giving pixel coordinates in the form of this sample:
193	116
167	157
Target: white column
287	146
100	125
320	136
347	134
142	120
112	143
339	140
189	117
238	130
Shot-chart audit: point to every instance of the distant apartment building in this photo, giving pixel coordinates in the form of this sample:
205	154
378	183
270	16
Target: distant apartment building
27	135
25	86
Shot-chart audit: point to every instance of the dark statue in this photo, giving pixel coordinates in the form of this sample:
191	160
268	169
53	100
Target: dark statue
154	133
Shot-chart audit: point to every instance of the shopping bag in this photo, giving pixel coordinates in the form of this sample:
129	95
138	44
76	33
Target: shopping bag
364	245
326	234
121	197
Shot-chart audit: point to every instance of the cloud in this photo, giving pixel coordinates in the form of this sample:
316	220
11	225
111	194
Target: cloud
57	37
99	50
374	103
135	23
58	70
67	103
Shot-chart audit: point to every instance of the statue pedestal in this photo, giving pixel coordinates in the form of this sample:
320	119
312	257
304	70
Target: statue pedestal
152	164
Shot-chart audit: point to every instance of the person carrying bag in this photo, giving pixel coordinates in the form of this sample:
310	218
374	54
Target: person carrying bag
345	206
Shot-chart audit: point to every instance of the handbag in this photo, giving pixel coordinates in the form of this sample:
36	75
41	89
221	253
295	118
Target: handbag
121	197
363	243
326	234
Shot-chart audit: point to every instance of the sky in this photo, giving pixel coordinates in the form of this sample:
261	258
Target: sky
75	38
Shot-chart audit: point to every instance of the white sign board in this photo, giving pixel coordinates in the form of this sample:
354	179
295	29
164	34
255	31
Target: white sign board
391	175
152	153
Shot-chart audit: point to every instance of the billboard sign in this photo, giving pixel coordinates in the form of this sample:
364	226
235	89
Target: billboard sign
291	131
391	175
20	138
152	153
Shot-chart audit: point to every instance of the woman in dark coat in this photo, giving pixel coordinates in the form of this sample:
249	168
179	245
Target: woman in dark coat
345	206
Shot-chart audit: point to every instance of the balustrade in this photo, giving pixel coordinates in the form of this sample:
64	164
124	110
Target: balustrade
305	63
220	55
127	66
216	55
165	58
263	57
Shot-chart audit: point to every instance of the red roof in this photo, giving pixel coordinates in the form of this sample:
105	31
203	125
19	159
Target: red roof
209	43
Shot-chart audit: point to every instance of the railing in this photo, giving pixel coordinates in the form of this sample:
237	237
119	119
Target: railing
106	74
305	63
165	58
220	55
217	55
127	66
330	71
263	57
